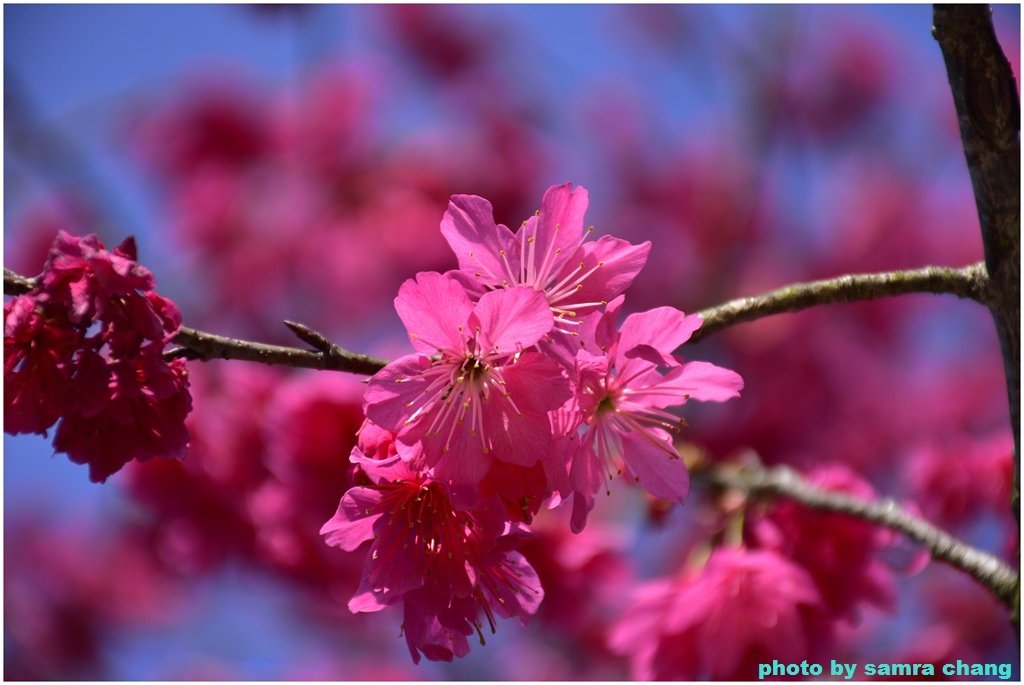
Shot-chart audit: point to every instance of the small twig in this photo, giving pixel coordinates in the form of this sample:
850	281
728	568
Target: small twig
781	481
202	346
970	282
308	335
16	284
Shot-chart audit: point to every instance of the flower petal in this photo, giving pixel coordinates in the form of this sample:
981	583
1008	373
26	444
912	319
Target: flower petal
649	354
663	328
433	307
586	475
703	381
661	475
536	383
396	391
469	228
559	227
352	525
620	262
511	320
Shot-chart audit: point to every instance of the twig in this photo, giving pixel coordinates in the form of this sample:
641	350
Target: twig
16	284
781	481
969	282
202	346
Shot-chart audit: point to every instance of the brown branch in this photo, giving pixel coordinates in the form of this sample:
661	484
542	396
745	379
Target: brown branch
752	479
202	346
756	480
988	110
969	282
16	284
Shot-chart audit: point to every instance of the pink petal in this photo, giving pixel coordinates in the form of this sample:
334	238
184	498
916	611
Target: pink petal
460	461
586	475
605	332
522	598
560	225
367	600
511	320
391	469
536	383
517	438
663	476
663	328
469	228
703	381
433	308
649	354
393	388
622	261
352	525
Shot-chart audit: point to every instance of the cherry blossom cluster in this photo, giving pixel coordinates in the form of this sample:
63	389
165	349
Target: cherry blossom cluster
799	579
85	347
522	392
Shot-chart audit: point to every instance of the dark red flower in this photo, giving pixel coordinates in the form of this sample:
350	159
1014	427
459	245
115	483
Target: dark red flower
37	366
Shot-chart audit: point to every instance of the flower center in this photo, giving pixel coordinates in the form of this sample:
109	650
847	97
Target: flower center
606	405
472	369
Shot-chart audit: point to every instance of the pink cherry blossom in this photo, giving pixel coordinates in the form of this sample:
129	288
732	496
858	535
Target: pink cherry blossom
742	608
445	565
483	397
80	272
840	553
548	253
124	410
86	346
959	479
621	401
38	364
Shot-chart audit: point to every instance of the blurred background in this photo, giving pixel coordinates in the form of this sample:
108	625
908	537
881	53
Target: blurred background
295	161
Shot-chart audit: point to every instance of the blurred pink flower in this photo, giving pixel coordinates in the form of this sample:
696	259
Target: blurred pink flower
37	366
117	397
744	607
840	553
960	478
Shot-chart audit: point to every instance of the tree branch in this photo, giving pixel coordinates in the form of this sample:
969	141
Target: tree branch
988	110
202	346
206	346
16	284
970	282
755	480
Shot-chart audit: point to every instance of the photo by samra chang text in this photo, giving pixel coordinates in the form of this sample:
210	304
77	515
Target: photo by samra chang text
849	671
